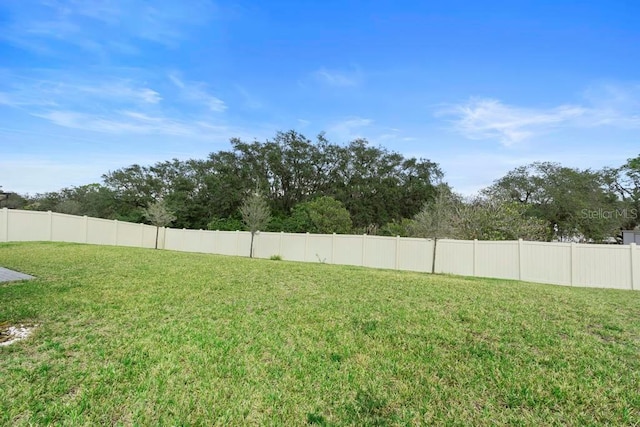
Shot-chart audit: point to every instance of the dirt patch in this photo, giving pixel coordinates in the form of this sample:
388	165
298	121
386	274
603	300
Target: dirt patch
13	333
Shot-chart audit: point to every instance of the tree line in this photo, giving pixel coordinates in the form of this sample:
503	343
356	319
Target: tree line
322	187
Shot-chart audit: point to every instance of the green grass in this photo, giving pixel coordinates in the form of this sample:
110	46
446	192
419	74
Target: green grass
144	337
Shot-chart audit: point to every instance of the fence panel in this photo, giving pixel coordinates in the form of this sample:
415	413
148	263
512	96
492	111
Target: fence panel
149	236
267	244
4	225
320	248
235	243
348	250
454	257
130	234
602	266
545	262
294	247
635	256
101	231
68	228
497	259
173	239
209	242
380	252
192	241
415	254
182	240
28	226
243	243
229	243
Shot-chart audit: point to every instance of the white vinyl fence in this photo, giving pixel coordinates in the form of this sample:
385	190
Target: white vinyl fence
18	225
584	265
602	266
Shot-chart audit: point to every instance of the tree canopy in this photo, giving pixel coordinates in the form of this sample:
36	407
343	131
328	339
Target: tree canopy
324	187
375	185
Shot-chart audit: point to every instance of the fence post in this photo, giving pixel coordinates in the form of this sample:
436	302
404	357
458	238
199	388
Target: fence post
475	258
333	248
237	242
256	244
573	264
634	274
306	245
164	237
520	259
115	238
50	226
4	223
397	252
434	254
280	244
86	229
364	250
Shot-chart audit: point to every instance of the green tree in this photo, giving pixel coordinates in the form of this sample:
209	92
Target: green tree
256	215
69	207
323	215
12	200
571	201
394	228
492	219
375	185
159	215
378	186
625	183
93	200
438	218
226	224
482	218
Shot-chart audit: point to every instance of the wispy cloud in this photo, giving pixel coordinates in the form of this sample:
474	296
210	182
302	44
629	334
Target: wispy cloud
486	118
51	92
614	104
197	92
126	122
490	118
350	128
113	105
249	100
100	26
338	78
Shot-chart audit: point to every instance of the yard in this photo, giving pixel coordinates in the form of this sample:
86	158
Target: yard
137	336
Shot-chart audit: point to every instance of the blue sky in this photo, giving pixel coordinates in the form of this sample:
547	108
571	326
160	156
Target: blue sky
478	87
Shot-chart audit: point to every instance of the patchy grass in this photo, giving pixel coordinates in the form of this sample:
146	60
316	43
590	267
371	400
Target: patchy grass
144	337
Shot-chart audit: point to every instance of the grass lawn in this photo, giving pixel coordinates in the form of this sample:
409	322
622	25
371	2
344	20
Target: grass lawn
143	337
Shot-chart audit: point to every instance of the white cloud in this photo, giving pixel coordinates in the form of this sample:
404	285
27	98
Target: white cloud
337	78
614	104
490	118
101	25
250	100
349	128
128	122
115	105
121	90
197	92
71	89
486	118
